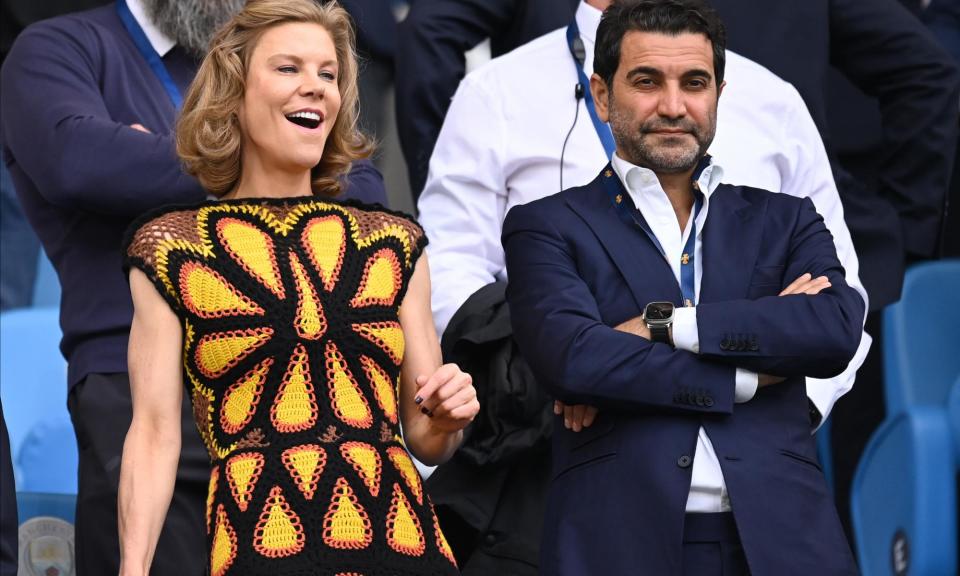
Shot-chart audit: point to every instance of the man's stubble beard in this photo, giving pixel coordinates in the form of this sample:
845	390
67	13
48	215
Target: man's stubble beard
634	144
191	23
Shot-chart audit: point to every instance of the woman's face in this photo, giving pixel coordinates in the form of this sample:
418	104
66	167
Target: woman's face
291	99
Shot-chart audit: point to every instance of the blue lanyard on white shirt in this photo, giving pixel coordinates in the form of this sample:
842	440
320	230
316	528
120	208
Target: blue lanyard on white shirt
614	189
149	54
634	217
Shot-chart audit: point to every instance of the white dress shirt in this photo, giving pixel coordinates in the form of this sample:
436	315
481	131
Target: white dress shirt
708	491
501	142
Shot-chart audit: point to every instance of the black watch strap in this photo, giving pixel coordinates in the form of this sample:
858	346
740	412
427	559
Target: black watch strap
660	333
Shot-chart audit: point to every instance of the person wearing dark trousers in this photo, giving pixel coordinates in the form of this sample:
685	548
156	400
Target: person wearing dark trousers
688	310
89	103
431	45
884	95
9	523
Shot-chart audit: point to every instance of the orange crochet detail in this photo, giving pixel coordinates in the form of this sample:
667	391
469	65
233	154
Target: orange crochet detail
295	408
224	549
219	352
326	242
404	533
386	335
366	461
292	352
381	280
305	464
243	471
241	399
401	460
441	541
278	533
349	403
384	389
211	493
346	524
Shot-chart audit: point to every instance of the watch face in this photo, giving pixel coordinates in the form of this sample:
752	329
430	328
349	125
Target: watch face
659	311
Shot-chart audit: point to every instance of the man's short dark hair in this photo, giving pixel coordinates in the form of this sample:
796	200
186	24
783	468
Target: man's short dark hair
671	17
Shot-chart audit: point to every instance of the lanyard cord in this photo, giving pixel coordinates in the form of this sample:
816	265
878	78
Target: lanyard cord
149	54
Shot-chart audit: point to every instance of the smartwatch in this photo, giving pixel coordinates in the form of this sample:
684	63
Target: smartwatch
659	319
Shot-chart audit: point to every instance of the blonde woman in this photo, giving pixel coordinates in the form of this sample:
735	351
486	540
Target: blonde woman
299	324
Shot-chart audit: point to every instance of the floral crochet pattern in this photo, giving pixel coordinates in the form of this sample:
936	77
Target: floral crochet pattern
292	354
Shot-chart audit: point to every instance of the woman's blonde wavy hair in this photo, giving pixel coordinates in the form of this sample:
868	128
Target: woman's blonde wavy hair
209	139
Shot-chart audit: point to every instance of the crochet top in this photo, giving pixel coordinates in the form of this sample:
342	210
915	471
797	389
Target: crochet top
291	355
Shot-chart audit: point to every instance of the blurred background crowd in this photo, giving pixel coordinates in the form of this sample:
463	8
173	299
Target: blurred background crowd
878	77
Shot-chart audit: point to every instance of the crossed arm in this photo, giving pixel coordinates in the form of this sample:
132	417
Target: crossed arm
559	327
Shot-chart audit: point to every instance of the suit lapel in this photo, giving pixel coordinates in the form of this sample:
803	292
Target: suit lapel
731	243
636	258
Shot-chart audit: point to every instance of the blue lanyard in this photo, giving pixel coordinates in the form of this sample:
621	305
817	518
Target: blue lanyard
632	217
614	188
148	53
603	130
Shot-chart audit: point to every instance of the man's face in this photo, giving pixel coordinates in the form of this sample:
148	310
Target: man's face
191	23
662	103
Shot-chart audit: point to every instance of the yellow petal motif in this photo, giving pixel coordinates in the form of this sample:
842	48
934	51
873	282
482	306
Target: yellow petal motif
310	321
325	240
224	549
295	408
216	353
279	532
208	294
381	280
253	249
383	388
346	524
348	401
386	335
243	472
241	399
211	493
404	533
366	461
401	460
305	464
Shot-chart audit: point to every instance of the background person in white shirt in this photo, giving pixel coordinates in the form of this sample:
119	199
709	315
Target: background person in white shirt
505	142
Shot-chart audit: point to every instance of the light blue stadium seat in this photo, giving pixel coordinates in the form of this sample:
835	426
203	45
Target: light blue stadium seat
34	391
904	496
46	288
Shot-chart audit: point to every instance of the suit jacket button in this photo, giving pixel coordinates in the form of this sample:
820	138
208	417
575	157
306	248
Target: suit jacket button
490	539
708	401
684	461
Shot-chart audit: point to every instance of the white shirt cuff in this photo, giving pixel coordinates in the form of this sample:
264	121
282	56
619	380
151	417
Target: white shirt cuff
746	386
686	336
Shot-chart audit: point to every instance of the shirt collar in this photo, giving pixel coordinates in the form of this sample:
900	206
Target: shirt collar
160	41
638	180
588	20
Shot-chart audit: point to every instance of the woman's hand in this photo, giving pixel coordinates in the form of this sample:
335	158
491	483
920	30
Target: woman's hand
448	398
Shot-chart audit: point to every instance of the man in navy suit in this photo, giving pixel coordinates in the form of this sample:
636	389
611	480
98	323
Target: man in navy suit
689	312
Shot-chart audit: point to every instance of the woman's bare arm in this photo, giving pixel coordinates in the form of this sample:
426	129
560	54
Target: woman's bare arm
152	447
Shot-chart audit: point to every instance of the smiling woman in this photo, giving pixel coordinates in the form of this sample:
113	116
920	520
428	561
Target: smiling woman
300	325
263	58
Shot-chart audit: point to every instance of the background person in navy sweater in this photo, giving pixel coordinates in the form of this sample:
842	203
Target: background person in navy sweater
86	123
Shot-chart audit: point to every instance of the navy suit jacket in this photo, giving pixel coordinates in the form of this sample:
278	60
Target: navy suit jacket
619	489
